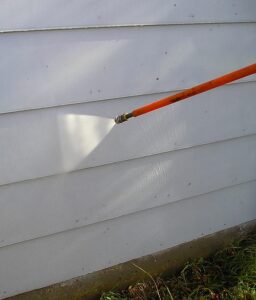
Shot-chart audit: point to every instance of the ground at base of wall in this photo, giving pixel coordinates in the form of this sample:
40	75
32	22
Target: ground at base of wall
159	264
230	273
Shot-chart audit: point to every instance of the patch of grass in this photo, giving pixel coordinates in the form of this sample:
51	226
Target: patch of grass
228	274
114	296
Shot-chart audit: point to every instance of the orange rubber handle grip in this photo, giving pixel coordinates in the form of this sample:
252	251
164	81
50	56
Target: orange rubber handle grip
209	85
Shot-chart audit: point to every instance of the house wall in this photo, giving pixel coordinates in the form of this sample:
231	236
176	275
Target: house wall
78	193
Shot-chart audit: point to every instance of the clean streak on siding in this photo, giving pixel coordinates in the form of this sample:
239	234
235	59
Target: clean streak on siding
62	67
60	257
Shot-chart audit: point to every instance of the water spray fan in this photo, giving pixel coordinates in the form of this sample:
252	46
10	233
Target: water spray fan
198	89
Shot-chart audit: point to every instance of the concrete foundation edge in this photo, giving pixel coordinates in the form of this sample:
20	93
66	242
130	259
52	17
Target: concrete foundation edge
91	286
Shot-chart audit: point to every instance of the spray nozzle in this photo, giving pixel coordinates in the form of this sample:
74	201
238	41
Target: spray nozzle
122	118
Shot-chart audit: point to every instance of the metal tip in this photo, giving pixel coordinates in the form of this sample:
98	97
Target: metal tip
122	118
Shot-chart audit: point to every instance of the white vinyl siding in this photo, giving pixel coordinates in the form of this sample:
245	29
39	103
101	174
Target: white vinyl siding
78	194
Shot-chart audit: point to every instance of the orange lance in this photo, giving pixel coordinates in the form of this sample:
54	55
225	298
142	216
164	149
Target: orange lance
198	89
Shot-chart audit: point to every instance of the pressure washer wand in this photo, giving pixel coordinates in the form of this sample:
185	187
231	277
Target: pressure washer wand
201	88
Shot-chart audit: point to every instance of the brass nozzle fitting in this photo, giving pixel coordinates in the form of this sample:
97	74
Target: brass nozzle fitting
122	118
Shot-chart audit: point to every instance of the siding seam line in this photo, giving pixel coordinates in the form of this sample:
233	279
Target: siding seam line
112	99
132	159
131	213
5	31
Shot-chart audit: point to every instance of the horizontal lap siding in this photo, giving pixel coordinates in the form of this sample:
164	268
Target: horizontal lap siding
29	14
55	258
58	140
71	184
93	195
51	68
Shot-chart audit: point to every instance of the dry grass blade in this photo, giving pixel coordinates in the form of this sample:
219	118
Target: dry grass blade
228	274
151	277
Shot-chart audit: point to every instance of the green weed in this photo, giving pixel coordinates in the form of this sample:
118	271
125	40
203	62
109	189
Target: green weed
228	274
